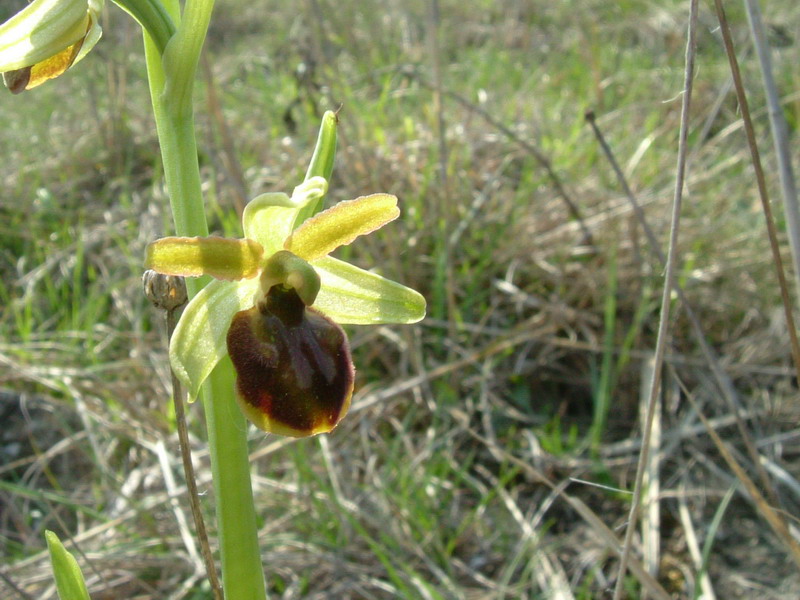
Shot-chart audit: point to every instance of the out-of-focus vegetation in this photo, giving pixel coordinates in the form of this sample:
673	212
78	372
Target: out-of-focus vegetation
538	338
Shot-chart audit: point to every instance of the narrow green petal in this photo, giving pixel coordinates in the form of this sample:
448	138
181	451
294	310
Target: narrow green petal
198	342
341	224
353	295
69	579
221	258
321	164
40	30
269	218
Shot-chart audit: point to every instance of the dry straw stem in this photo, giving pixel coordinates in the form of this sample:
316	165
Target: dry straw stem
10	583
191	482
169	293
693	545
760	180
723	379
780	136
771	231
648	582
661	340
651	519
160	450
773	517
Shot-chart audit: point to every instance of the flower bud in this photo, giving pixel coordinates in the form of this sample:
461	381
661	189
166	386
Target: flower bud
45	39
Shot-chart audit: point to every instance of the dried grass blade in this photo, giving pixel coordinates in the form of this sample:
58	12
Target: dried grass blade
661	340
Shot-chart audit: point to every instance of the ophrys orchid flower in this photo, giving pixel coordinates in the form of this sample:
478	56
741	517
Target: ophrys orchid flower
276	305
45	39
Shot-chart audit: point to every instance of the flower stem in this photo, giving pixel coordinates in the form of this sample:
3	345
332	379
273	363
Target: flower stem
170	89
242	573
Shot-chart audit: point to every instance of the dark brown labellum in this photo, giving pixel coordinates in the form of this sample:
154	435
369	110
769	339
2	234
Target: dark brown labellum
294	369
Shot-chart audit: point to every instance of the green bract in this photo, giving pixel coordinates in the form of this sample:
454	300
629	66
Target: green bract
45	38
69	579
347	294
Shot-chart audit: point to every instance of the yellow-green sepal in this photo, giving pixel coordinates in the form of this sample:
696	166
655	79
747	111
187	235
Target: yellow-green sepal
269	218
222	258
355	296
198	342
69	579
341	224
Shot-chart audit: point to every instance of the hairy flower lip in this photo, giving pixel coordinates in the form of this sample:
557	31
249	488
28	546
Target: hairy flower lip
295	373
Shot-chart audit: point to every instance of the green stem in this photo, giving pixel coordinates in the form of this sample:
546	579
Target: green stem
171	90
242	572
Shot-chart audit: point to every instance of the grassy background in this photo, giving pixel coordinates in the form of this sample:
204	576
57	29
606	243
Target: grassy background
537	341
